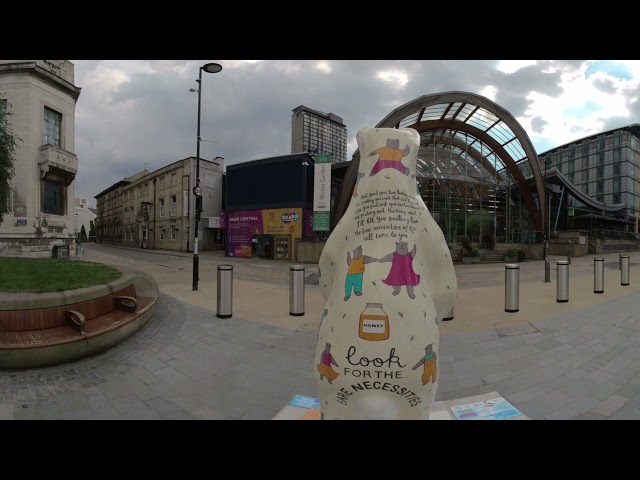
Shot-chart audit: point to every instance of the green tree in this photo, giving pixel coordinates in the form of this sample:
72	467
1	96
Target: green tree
7	158
92	229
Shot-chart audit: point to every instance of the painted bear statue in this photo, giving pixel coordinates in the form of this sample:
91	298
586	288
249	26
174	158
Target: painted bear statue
388	280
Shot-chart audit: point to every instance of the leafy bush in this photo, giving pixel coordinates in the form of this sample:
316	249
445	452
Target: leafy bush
488	241
467	247
518	253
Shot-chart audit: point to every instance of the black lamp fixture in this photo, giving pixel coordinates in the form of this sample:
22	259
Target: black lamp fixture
197	191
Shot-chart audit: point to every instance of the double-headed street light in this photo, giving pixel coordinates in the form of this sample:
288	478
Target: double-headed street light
197	191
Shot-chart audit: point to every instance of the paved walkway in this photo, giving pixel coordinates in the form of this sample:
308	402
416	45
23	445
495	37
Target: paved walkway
552	360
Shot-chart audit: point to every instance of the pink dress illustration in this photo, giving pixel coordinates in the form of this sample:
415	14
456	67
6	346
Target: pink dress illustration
401	273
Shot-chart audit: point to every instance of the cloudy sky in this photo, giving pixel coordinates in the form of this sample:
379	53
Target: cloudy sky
136	114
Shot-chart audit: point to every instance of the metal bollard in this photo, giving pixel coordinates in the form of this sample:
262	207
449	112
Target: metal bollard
547	271
449	316
598	275
296	290
619	261
624	272
563	281
511	287
225	291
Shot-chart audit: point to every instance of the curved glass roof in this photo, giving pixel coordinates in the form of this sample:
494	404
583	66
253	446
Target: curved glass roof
475	116
468	138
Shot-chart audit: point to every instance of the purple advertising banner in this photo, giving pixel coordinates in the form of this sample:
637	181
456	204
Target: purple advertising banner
241	226
223	220
308	223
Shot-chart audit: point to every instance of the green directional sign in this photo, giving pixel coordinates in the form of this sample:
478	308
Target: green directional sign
321	221
322	158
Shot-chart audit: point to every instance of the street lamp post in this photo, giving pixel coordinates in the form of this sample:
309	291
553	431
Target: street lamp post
197	191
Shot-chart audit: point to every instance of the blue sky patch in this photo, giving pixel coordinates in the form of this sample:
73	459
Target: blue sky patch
543	144
581	111
613	68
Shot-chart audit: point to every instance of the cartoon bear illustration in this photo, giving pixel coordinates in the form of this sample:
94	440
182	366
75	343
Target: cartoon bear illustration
390	156
377	339
401	273
355	274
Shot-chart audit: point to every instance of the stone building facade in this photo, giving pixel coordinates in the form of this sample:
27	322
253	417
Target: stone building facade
41	97
159	207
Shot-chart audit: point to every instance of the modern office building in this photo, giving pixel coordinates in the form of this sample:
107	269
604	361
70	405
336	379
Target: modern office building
156	210
40	97
593	182
317	132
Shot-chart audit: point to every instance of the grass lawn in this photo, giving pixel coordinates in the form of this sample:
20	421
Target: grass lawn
39	275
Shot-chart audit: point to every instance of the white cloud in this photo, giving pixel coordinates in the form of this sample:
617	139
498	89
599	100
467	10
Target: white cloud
490	92
581	107
239	63
394	76
323	66
511	66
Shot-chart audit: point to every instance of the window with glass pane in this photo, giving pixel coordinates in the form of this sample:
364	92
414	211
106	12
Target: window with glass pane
616	168
162	207
617	198
616	184
52	197
52	127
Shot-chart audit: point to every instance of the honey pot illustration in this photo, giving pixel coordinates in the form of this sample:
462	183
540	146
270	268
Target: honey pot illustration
374	323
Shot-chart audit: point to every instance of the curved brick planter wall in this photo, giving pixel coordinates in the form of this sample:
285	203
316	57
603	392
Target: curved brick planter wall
36	329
